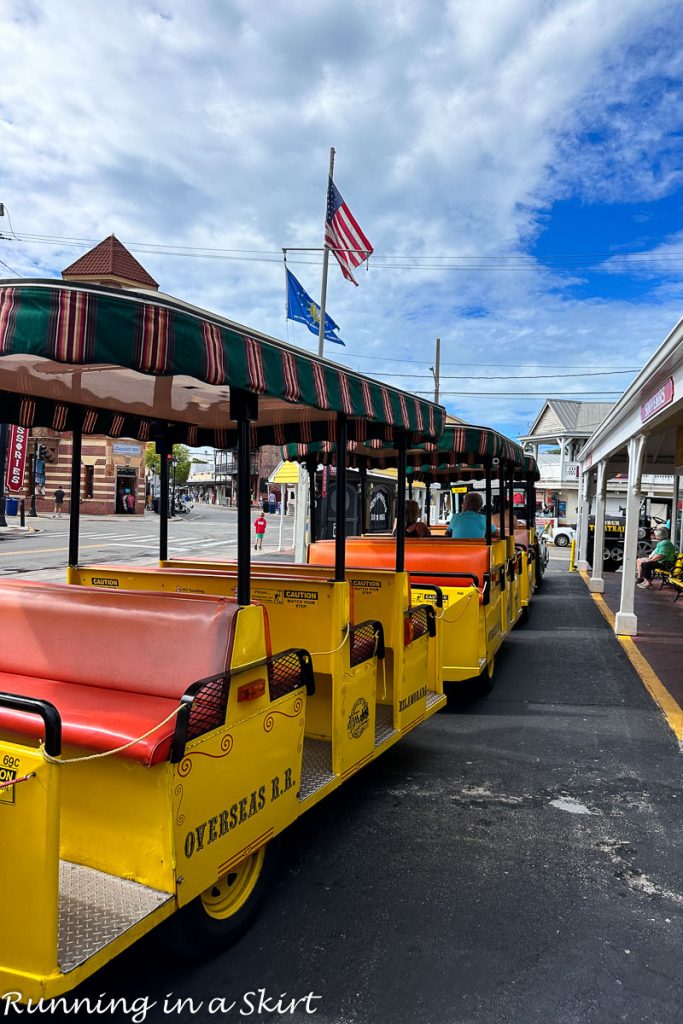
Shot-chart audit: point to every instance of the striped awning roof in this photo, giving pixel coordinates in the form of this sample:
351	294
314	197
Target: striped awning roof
142	364
462	451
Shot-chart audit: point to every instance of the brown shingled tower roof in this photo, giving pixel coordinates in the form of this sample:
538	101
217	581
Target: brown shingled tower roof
110	263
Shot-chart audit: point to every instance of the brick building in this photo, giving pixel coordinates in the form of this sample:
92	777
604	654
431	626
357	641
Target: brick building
112	469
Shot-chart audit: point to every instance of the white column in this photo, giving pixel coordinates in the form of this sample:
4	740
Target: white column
596	583
563	451
584	512
675	538
302	533
626	623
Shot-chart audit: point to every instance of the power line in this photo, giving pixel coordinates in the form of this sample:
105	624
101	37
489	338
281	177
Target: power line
516	263
529	376
559	366
516	394
10	268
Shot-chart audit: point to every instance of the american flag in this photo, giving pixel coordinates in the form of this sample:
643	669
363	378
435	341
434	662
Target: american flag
343	235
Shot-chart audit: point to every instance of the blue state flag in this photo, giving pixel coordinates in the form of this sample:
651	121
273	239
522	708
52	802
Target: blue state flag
301	307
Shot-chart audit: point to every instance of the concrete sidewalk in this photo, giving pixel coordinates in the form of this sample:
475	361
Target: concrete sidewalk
657	650
516	860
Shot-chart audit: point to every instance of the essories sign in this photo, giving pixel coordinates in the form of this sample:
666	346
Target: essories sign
16	458
663	396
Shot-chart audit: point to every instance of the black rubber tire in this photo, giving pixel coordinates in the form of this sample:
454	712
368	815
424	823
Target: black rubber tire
524	616
562	541
192	932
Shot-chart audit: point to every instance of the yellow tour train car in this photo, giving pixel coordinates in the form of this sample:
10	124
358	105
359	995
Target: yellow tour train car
485	584
153	786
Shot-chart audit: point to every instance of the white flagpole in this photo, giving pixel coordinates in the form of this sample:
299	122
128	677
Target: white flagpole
326	258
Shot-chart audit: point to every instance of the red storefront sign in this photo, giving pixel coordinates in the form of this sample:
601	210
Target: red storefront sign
663	396
16	458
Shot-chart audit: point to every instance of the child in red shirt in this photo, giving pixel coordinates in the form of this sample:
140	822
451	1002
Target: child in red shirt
260	527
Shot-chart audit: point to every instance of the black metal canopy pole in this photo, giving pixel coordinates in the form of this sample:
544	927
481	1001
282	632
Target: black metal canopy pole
164	449
488	493
363	470
75	517
311	466
340	510
243	409
511	502
401	503
530	501
501	500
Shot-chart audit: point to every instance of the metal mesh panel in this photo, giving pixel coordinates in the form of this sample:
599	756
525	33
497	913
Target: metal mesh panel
208	707
364	642
419	618
285	673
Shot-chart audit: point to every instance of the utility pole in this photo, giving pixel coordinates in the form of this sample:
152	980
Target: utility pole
436	370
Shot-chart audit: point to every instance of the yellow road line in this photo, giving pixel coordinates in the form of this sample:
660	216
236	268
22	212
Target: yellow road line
672	710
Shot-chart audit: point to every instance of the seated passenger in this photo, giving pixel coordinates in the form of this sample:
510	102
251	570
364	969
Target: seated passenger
495	521
663	556
414	525
470	524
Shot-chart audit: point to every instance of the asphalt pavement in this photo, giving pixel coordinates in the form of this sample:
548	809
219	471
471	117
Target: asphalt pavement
515	860
207	531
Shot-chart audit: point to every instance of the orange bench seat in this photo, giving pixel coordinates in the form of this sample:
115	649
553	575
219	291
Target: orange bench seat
430	560
114	663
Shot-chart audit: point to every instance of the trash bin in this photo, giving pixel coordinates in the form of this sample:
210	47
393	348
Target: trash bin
271	506
11	506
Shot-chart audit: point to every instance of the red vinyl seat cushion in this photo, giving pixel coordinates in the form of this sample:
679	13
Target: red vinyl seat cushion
113	662
94	718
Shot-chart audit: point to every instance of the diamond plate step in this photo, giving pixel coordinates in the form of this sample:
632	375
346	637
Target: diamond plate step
95	908
316	767
384	723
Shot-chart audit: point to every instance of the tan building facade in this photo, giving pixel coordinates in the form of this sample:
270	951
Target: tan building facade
112	473
112	469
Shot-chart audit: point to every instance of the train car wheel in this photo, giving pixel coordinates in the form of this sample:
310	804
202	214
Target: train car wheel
223	912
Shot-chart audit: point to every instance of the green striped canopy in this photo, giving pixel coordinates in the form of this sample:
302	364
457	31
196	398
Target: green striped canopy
462	451
140	364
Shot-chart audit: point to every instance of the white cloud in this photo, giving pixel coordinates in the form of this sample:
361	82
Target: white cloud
455	124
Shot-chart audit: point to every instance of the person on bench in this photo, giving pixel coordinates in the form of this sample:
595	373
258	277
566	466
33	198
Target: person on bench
663	555
470	524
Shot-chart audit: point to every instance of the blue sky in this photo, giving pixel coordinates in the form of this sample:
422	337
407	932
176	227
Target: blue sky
518	167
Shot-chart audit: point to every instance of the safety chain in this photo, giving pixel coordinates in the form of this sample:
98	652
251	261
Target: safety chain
108	753
474	590
15	782
322	654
